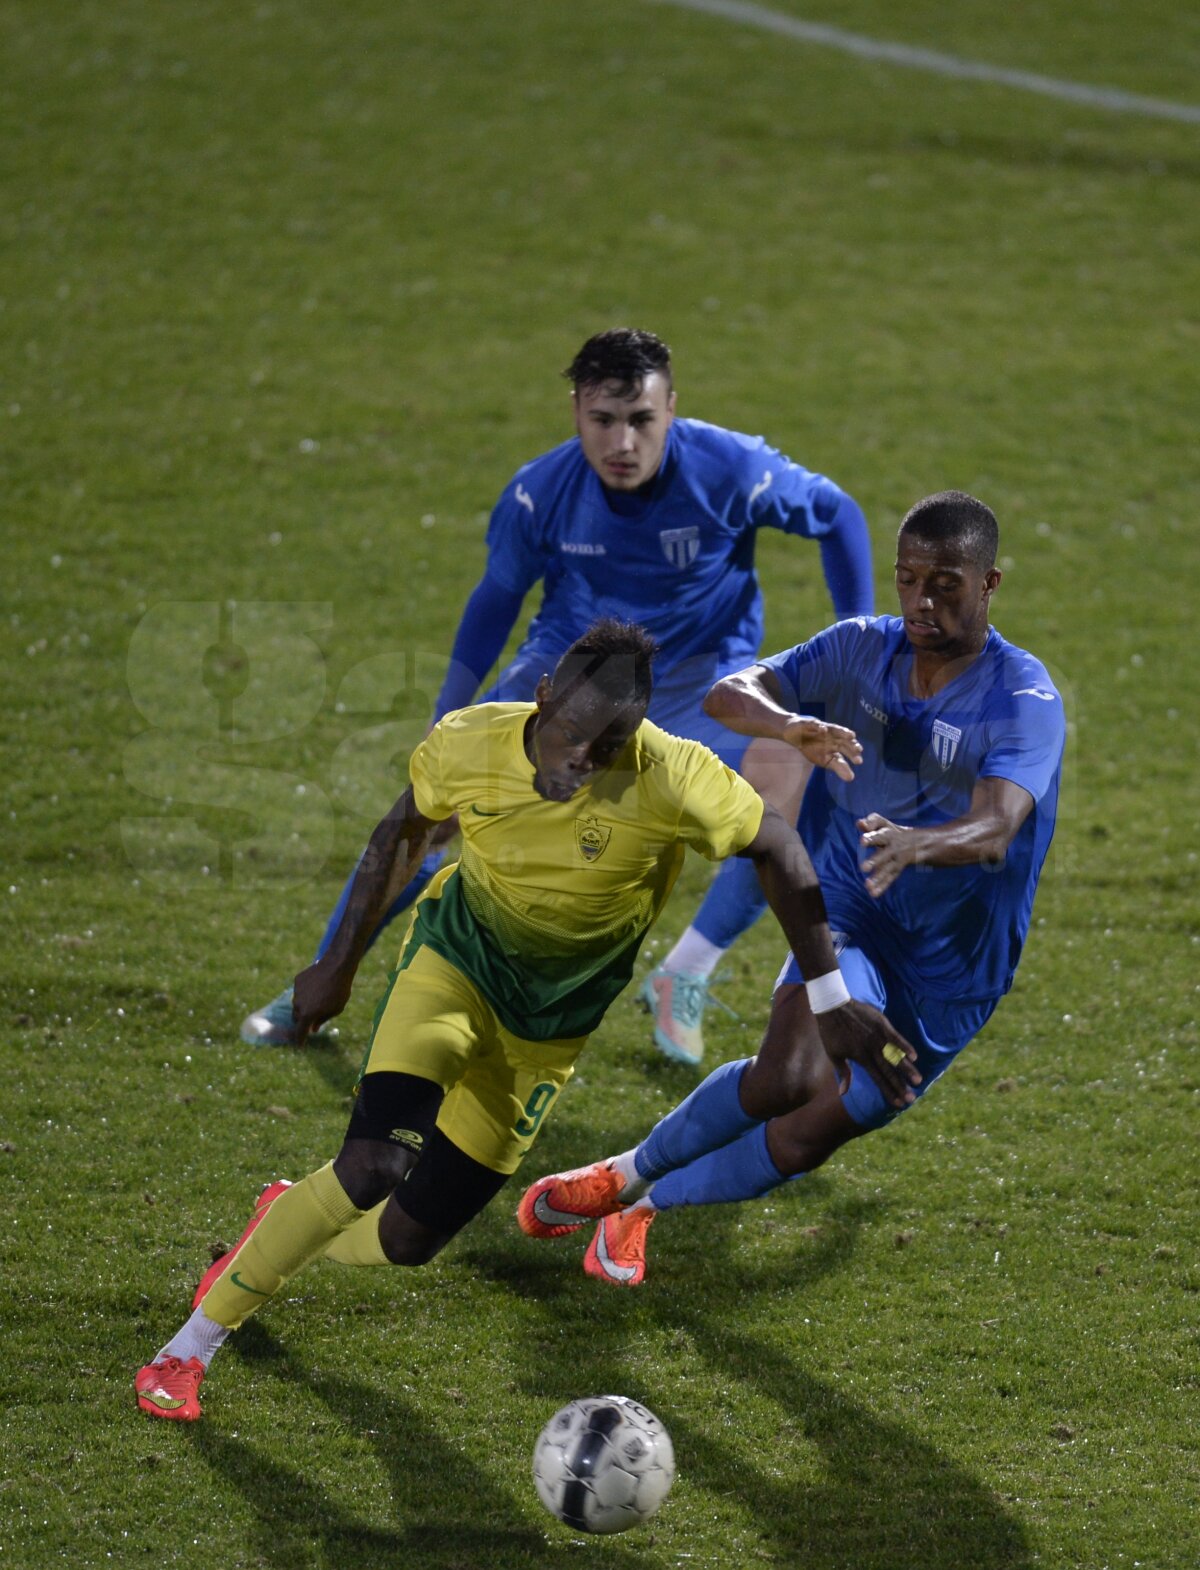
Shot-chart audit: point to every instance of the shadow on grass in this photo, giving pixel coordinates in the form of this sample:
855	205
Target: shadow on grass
447	1511
335	1061
885	1500
840	1486
548	1272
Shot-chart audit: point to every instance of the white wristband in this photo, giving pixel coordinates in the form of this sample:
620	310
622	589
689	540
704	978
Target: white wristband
826	992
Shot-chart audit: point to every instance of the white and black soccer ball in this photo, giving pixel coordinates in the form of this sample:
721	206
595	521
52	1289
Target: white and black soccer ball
603	1464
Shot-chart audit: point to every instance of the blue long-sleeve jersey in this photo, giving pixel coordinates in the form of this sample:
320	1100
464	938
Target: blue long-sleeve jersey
677	556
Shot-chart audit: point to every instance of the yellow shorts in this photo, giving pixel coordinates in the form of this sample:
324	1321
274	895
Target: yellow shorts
435	1023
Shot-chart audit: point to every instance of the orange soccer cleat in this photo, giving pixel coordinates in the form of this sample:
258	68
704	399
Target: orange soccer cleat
617	1253
559	1203
170	1388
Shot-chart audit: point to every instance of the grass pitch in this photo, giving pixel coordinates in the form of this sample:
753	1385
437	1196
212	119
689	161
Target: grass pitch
284	292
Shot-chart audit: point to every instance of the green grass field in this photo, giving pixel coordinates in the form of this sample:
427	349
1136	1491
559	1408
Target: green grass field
283	296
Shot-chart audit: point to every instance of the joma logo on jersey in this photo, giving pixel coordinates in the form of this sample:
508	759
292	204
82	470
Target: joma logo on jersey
680	546
945	742
592	838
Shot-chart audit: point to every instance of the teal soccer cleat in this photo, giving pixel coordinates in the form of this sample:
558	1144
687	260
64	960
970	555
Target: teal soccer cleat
274	1025
677	1001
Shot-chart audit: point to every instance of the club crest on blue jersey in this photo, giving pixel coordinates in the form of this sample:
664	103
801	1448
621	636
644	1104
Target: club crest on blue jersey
592	837
945	742
680	546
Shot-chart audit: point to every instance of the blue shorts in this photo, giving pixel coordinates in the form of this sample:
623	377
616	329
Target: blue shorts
939	1031
675	704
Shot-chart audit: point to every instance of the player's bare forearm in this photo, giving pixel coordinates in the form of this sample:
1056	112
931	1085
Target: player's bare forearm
392	856
790	883
389	862
981	836
750	702
850	1029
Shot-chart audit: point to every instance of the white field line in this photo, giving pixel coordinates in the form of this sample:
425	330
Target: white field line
1109	98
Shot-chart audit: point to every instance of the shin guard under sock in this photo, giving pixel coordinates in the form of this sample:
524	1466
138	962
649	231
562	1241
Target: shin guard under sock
707	1119
299	1225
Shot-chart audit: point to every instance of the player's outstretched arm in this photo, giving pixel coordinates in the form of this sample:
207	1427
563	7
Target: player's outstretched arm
751	703
983	834
846	560
389	862
488	617
848	1027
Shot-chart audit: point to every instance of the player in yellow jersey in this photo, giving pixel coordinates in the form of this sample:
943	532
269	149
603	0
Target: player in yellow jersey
575	813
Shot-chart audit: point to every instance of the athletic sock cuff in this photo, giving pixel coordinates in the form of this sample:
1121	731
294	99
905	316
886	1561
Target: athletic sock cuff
331	1198
772	1176
709	1118
742	1170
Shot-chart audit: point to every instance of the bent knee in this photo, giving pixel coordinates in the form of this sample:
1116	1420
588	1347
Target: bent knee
369	1170
805	1139
778	773
771	1089
405	1241
410	1251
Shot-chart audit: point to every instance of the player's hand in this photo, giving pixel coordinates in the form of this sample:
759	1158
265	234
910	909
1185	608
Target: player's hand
320	993
858	1031
891	847
831	747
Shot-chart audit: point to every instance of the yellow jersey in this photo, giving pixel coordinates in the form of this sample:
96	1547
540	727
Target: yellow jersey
549	902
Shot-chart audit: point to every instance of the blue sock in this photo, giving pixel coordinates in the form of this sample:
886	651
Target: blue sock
743	1170
733	904
412	889
707	1119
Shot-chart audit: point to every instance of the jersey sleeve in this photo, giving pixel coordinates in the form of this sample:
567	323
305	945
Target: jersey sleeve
517	551
846	560
785	495
719	812
1026	739
430	782
807	672
487	619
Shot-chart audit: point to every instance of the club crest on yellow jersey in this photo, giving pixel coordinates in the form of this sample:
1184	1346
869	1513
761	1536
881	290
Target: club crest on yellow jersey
592	837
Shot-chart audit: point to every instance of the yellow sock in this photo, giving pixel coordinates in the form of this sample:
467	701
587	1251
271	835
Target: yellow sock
359	1244
298	1227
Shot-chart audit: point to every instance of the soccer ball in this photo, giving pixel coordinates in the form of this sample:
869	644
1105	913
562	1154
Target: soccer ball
603	1464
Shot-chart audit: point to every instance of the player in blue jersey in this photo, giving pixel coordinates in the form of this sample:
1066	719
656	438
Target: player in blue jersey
928	852
651	519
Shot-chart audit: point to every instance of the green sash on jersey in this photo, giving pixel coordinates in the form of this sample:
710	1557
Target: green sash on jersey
538	999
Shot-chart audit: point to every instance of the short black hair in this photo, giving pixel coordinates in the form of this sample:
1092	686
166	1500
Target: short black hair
613	658
954	517
622	354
